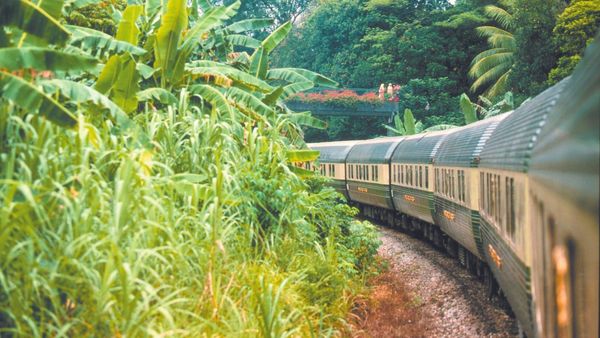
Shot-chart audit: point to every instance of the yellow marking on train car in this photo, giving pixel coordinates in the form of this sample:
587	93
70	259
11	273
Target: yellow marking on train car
494	256
409	198
362	189
449	215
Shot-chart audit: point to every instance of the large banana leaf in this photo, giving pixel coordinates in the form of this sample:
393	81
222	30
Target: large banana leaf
243	41
128	30
99	43
80	93
249	25
120	81
157	94
306	119
213	18
248	103
39	58
271	98
467	108
33	99
302	155
275	38
294	88
237	76
293	75
259	63
409	122
33	19
213	96
173	22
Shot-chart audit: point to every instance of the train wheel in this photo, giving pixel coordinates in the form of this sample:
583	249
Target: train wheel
490	283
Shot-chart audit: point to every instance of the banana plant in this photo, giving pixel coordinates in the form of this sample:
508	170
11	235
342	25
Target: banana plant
407	127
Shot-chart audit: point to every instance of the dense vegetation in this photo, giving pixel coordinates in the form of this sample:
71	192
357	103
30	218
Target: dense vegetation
146	179
433	48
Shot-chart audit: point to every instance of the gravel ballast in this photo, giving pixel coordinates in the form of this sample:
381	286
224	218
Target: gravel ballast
426	293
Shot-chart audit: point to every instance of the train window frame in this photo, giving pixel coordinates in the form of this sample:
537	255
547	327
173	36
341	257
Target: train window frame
427	177
394	175
421	176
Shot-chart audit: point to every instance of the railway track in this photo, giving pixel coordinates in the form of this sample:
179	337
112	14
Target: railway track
434	296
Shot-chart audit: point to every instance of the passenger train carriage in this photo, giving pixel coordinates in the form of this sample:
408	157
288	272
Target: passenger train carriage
564	209
514	197
332	162
504	164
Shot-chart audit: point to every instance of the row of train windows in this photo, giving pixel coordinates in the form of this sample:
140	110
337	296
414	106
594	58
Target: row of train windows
451	185
499	203
327	169
363	172
411	175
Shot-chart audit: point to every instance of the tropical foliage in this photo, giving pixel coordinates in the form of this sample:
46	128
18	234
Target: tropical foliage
491	68
438	50
147	185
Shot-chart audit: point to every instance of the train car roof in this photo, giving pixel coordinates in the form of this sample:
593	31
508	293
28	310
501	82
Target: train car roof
565	159
420	148
462	146
333	152
378	150
510	146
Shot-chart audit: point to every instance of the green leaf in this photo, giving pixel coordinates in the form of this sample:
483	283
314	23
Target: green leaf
243	41
205	5
101	44
293	75
128	30
467	108
173	22
213	96
157	94
409	122
248	103
80	93
32	99
301	172
120	81
294	88
306	119
275	38
236	75
302	155
33	19
259	63
271	98
39	58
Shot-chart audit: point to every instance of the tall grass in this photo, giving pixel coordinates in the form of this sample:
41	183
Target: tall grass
207	234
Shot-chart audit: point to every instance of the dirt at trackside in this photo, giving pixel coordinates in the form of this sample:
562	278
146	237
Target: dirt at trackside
424	293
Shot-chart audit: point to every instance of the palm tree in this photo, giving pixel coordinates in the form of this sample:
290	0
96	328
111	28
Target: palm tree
491	68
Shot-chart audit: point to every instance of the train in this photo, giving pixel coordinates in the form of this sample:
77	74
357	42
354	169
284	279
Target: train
513	197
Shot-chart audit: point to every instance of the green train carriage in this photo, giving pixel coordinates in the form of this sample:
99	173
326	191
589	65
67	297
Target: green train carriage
412	174
368	171
505	233
455	198
332	162
564	203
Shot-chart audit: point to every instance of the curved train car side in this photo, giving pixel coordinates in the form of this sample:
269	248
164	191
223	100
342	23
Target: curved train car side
514	197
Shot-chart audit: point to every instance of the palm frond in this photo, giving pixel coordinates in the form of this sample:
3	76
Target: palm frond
489	62
493	75
504	18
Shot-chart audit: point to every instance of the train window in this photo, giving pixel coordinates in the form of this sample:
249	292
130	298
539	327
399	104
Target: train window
394	175
426	177
412	175
481	191
367	172
416	175
499	200
510	208
421	176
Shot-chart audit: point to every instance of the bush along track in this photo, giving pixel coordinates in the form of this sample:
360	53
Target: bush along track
146	185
